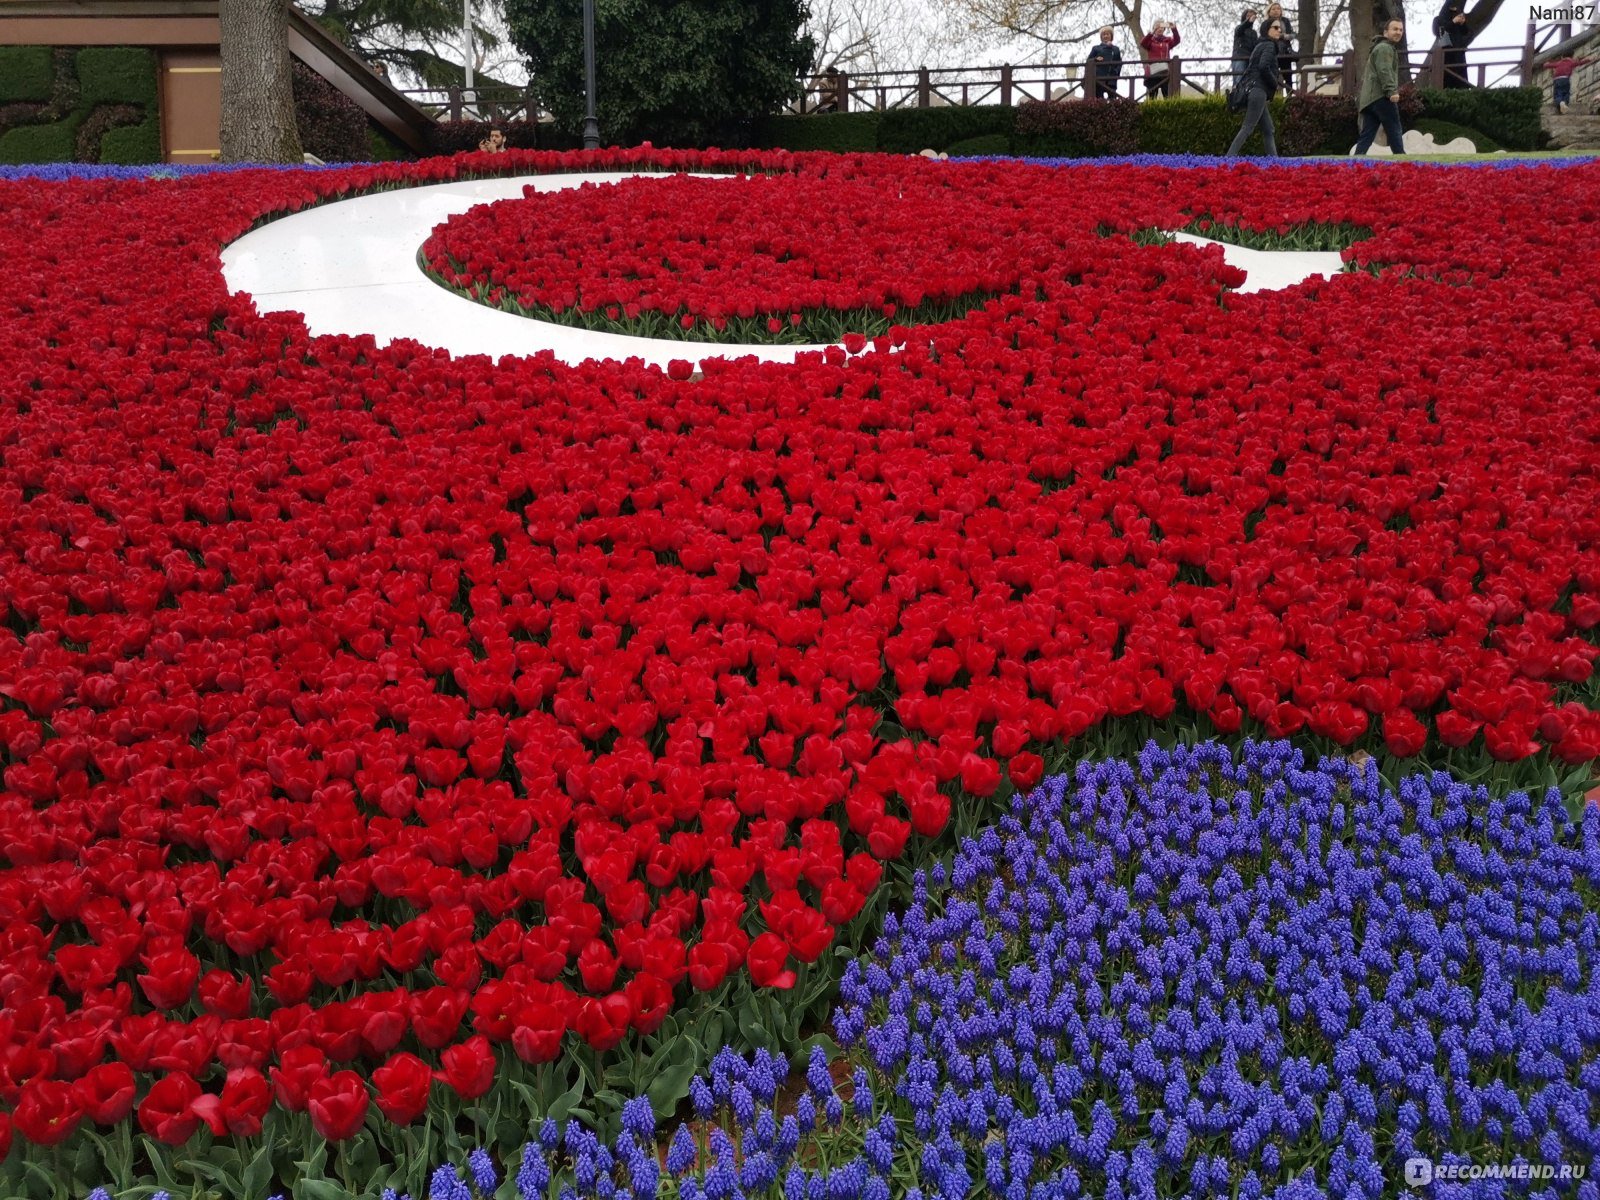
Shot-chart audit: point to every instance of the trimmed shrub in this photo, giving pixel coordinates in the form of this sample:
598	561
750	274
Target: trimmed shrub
1072	128
1317	125
116	75
39	143
130	144
1201	125
1510	116
1446	131
381	147
843	133
909	130
26	73
989	143
332	126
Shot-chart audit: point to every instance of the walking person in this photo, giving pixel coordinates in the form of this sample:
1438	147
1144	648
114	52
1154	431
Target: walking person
1105	66
1450	28
1158	45
1379	102
1286	46
1262	79
1245	38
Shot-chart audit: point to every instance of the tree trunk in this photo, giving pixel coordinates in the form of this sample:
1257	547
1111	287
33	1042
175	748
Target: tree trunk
1307	25
257	88
1367	20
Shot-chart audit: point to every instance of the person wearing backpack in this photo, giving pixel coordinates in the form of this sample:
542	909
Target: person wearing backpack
1379	101
1261	82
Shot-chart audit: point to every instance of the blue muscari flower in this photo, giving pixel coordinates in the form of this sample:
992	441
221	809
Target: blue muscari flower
682	1153
549	1134
701	1097
484	1176
533	1177
447	1184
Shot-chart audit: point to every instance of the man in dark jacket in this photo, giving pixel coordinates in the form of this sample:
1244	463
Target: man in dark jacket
1245	38
1450	27
1262	79
1105	66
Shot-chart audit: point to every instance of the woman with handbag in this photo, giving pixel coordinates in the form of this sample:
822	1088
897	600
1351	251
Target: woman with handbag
1261	82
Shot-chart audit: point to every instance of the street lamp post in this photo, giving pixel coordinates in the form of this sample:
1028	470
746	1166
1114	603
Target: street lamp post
591	123
466	41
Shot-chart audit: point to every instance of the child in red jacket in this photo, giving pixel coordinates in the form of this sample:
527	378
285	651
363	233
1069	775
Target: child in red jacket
1561	70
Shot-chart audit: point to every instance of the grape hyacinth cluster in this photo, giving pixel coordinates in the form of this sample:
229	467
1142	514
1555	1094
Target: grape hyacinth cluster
1239	976
1197	973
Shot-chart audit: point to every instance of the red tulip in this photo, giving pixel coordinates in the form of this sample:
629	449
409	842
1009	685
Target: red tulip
338	1105
106	1093
403	1084
767	957
47	1112
166	1112
468	1067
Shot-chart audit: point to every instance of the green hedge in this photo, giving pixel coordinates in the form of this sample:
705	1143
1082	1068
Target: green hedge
39	143
843	133
1305	125
1510	116
26	73
1447	131
130	144
1182	125
116	75
912	130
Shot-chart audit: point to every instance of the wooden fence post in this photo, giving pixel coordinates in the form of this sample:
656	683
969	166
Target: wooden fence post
924	88
841	96
1175	77
1005	85
455	104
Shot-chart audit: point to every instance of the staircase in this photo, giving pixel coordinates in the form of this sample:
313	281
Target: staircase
1573	131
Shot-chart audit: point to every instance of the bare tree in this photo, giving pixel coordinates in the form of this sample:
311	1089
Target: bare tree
1049	26
257	88
873	35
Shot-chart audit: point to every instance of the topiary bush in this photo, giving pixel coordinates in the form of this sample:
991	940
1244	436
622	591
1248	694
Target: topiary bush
130	144
26	73
116	75
909	130
1072	128
1510	116
39	143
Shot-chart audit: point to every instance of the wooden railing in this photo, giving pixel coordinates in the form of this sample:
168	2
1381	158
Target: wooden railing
491	103
938	87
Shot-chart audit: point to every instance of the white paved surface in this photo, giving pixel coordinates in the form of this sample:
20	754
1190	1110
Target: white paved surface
1272	270
351	268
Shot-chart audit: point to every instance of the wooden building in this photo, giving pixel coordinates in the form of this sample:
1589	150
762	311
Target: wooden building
184	37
